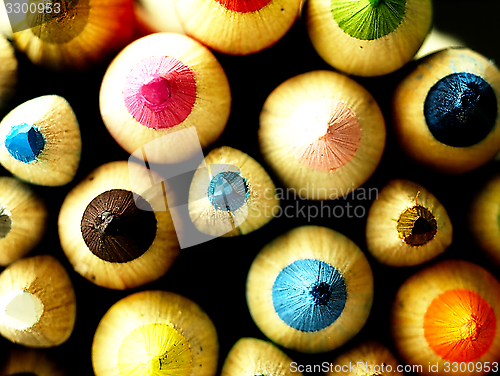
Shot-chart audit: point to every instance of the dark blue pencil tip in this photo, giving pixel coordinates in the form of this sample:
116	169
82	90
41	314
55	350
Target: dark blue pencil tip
309	295
228	191
24	142
461	109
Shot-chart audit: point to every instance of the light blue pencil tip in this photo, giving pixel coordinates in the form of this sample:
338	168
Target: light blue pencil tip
309	295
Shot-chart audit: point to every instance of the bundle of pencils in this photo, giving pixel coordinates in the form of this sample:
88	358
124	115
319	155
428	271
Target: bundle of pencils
249	187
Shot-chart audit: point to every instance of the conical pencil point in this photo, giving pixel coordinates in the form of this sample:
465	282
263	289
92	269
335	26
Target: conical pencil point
24	142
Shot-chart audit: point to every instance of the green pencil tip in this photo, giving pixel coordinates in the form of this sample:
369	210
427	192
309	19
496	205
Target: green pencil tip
368	19
498	218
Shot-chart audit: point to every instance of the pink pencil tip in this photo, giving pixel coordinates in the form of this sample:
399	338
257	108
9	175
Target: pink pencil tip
326	134
243	6
160	92
156	93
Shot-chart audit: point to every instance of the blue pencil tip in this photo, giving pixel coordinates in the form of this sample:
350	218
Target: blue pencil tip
228	191
309	295
461	109
24	142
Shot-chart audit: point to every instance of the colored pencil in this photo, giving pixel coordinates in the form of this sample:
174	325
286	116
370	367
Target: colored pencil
310	289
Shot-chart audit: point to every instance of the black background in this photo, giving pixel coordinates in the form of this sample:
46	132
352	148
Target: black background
213	274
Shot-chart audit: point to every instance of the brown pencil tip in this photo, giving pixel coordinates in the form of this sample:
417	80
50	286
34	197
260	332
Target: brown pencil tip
118	226
416	225
5	222
61	21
